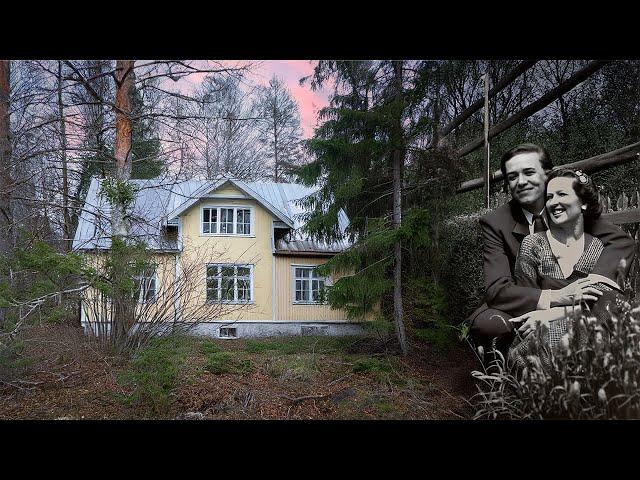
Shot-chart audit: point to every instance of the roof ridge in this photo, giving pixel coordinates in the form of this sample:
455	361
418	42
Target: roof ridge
285	200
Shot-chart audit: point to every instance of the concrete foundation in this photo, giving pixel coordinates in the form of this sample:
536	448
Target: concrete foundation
258	329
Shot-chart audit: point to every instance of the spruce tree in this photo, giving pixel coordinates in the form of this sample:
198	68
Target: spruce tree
380	116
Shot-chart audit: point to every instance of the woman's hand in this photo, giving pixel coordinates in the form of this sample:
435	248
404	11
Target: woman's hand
530	320
582	289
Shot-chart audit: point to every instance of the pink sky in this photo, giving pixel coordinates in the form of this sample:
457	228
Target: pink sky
290	71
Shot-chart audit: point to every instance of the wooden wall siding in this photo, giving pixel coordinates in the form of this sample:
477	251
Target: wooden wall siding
286	309
254	250
164	288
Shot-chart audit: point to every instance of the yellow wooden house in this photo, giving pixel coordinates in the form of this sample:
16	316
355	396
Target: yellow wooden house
229	256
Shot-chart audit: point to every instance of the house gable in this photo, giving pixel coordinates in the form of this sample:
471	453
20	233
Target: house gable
229	188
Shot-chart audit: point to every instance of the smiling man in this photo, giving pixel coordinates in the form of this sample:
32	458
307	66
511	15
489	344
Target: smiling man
525	169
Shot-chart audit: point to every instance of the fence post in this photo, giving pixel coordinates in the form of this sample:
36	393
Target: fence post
487	148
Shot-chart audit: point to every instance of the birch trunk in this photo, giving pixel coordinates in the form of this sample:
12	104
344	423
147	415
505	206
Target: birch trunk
68	223
6	180
398	164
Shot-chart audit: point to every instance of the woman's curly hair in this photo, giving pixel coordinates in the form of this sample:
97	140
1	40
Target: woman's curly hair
585	189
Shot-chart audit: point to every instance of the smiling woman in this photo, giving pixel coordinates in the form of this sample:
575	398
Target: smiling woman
562	258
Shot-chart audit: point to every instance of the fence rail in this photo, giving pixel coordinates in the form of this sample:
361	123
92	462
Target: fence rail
590	165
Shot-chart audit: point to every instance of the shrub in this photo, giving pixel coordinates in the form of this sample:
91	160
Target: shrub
594	374
426	305
153	373
460	270
13	363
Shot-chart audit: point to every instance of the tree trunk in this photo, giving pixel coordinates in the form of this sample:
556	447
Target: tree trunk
275	142
68	225
565	125
123	304
398	164
95	140
6	180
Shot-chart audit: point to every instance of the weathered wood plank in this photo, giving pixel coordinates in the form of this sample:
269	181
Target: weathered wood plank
553	94
474	107
589	165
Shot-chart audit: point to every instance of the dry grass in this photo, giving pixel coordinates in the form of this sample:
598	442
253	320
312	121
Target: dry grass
284	378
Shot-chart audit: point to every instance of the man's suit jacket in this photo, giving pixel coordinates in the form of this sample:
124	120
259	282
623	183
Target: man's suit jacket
503	231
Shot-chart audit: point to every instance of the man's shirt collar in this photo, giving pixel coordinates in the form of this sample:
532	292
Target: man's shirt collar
529	216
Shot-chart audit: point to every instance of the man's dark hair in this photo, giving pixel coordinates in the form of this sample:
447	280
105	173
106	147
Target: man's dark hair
585	189
545	159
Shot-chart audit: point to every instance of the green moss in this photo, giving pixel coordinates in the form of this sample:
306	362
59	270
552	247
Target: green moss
292	368
372	365
295	345
227	363
209	347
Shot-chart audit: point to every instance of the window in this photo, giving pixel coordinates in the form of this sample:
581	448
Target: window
228	332
209	220
309	287
243	221
229	283
146	286
226	221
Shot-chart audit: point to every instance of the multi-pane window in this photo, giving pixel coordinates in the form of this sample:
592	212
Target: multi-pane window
209	220
229	283
146	286
309	286
243	221
226	220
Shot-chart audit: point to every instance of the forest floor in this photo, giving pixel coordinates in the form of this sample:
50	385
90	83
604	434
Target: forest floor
60	374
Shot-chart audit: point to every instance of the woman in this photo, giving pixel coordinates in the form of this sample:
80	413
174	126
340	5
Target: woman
558	257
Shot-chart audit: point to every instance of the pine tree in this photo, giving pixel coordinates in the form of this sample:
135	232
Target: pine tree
145	142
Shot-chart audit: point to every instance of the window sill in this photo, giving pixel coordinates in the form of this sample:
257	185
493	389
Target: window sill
228	302
226	235
309	303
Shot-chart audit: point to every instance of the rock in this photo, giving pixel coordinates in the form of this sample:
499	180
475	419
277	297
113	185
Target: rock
192	416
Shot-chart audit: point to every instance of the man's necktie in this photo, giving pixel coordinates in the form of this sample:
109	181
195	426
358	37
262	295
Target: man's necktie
538	224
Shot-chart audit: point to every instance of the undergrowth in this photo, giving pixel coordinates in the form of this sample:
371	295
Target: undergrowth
153	373
593	374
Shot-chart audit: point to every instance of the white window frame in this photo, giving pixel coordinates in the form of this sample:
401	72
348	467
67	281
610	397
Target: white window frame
235	220
143	286
235	300
327	283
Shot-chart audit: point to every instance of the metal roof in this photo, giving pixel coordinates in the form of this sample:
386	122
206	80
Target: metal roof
156	203
147	212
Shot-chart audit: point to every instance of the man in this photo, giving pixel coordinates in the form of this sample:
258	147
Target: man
525	169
